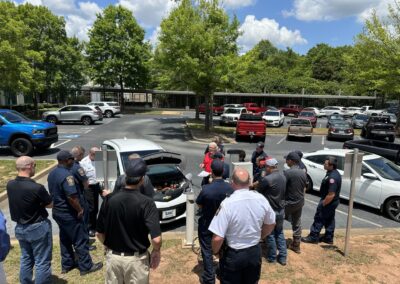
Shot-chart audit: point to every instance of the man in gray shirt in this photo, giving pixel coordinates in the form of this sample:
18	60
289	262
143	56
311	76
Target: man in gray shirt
296	182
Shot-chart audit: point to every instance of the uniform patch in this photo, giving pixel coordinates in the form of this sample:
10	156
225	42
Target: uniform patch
81	172
331	180
70	180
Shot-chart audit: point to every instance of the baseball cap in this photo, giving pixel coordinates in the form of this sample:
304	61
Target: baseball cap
260	144
64	155
298	152
292	156
218	155
272	162
217	167
136	168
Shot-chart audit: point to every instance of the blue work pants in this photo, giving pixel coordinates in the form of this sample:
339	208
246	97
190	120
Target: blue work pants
276	240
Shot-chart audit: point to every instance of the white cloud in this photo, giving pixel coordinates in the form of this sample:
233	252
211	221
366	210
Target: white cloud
256	30
328	10
154	36
232	4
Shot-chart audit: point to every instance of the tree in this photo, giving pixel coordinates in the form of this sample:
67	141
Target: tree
116	51
196	44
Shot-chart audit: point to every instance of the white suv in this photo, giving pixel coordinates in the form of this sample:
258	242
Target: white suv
164	171
109	109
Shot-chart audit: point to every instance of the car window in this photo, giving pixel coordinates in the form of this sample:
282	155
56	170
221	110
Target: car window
112	104
320	159
301	122
81	108
385	168
365	170
13	116
67	108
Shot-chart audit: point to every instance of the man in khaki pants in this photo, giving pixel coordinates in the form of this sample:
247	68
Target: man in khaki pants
125	220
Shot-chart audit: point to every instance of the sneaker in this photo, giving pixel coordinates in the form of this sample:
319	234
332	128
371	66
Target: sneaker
327	241
282	262
309	240
94	268
66	270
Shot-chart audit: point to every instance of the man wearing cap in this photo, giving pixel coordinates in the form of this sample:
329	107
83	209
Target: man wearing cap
273	187
296	182
258	152
241	221
68	213
28	201
209	200
125	220
325	215
301	164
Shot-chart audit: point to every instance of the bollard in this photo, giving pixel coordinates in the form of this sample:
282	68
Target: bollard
189	218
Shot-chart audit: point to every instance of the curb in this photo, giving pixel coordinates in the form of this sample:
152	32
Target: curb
226	139
38	176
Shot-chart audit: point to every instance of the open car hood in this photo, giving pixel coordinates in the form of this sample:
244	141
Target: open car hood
165	158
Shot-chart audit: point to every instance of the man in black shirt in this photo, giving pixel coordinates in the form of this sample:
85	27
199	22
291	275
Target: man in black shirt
28	201
125	220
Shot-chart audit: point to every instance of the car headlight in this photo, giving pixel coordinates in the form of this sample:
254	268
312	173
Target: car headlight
38	131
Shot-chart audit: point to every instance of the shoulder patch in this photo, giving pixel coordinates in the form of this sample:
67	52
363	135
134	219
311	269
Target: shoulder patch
70	180
81	172
331	180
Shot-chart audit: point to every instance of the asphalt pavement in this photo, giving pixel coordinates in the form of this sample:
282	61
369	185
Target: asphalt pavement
169	132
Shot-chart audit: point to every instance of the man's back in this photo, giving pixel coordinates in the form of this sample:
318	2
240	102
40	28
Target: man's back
273	187
296	181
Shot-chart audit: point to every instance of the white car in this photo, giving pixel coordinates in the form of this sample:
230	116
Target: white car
164	171
109	109
226	106
231	115
316	110
352	111
328	110
274	118
379	184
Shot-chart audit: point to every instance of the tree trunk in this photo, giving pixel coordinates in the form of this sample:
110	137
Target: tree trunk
212	111
197	106
207	114
121	83
398	118
36	105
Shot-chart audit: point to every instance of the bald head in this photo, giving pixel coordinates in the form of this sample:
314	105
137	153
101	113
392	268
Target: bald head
133	156
78	152
25	166
92	152
240	178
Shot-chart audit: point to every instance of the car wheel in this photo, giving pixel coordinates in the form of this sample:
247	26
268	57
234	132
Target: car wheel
309	139
262	139
328	138
237	138
392	207
86	120
391	138
51	119
21	147
108	114
310	184
288	138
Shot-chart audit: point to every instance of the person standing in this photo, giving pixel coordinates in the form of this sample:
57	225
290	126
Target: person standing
273	187
208	200
5	246
296	182
241	221
28	201
208	158
258	152
125	220
325	215
93	191
68	213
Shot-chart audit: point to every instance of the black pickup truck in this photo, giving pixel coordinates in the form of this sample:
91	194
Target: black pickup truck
378	127
390	151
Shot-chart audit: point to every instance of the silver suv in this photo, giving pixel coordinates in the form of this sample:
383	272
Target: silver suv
71	113
109	109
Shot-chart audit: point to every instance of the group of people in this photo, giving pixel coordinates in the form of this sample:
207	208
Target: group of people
236	216
73	197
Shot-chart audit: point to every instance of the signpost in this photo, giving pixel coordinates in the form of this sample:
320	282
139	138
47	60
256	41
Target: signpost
106	164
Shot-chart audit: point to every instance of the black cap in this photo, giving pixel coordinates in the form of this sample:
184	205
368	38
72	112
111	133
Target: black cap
260	144
136	168
298	152
218	155
217	167
292	156
64	155
332	160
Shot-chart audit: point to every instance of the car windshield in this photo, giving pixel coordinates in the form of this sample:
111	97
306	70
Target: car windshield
113	104
13	116
362	117
233	110
340	123
125	155
302	122
336	117
307	114
385	168
271	113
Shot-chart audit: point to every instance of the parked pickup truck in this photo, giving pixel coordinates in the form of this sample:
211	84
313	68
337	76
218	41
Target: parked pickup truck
378	127
390	151
22	134
250	125
300	128
254	108
217	110
291	109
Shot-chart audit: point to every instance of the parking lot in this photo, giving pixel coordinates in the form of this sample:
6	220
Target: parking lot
170	132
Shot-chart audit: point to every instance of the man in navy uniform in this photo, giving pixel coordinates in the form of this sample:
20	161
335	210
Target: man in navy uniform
325	215
241	221
209	200
258	152
68	213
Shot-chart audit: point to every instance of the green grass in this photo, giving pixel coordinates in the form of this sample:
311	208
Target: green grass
8	171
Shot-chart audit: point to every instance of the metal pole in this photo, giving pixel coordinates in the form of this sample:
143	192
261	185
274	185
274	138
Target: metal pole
105	165
351	200
189	218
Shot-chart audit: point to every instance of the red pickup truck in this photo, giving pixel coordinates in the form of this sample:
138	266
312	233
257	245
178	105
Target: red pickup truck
291	109
217	110
254	108
250	125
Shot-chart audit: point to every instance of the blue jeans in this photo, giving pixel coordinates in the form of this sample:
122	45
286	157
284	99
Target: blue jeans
205	236
276	240
36	244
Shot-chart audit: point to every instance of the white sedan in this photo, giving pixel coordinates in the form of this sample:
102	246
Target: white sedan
378	186
274	118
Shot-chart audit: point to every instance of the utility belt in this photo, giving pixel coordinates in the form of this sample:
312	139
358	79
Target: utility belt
228	248
136	253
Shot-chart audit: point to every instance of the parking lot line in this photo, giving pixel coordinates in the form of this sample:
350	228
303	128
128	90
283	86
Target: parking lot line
323	140
58	145
280	141
354	217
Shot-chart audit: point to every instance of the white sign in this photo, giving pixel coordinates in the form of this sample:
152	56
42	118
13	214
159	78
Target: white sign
347	165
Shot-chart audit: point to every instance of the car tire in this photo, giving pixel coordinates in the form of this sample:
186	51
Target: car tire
21	147
310	185
262	139
391	138
362	133
288	138
391	207
108	114
86	120
237	138
328	138
52	119
309	139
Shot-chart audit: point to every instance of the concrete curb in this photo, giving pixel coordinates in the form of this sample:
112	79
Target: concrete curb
227	140
38	176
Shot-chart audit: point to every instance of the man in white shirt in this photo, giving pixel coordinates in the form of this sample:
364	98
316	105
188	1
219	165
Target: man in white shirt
243	219
92	193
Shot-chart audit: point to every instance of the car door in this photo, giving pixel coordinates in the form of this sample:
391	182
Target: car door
368	190
65	113
315	169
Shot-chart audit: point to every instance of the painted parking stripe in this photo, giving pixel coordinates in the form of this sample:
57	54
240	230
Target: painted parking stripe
354	217
59	144
323	140
280	141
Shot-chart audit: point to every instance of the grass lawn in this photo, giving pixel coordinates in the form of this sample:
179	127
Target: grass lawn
8	171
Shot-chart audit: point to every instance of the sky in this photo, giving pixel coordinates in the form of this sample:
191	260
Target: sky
298	24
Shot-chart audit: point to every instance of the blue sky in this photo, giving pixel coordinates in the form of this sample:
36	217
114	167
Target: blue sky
299	24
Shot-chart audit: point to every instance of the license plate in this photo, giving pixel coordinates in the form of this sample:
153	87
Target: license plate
382	132
169	213
341	132
251	133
